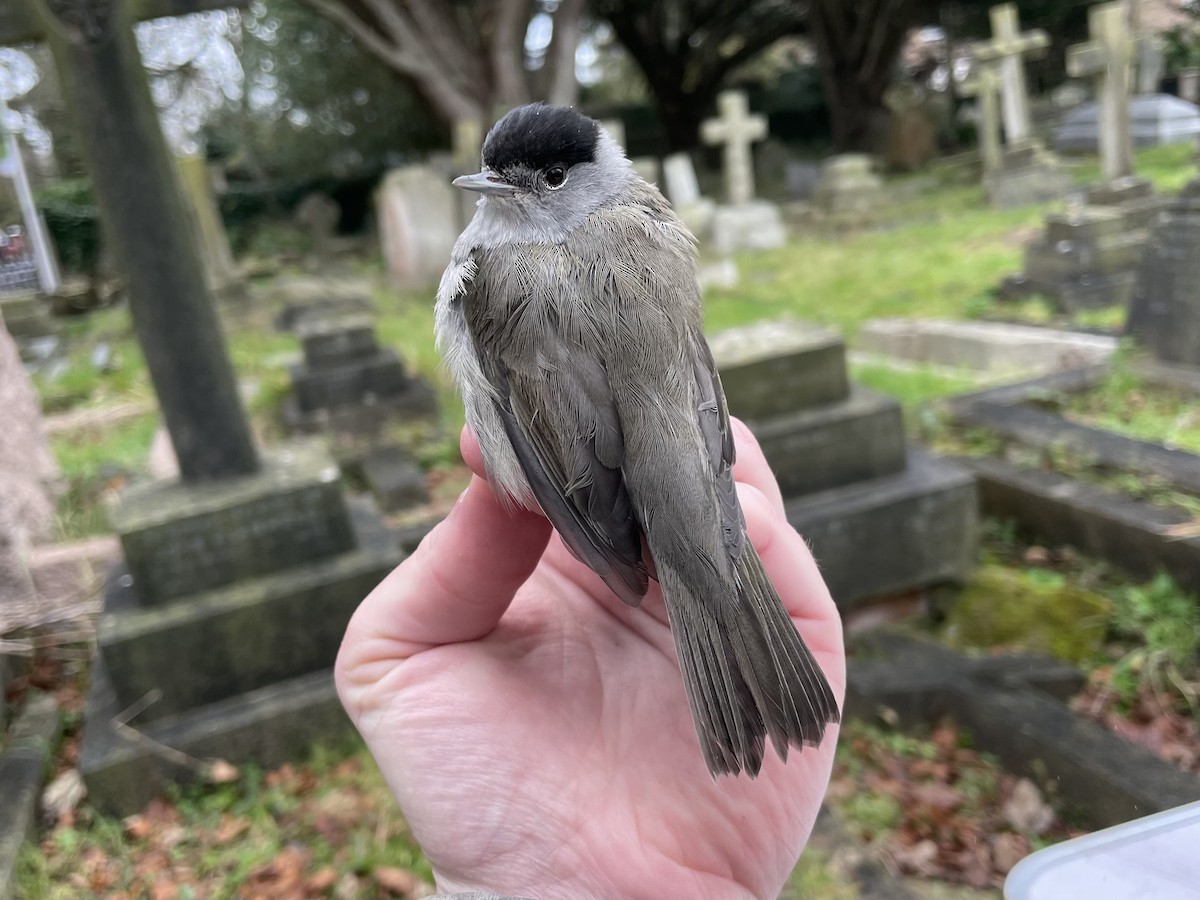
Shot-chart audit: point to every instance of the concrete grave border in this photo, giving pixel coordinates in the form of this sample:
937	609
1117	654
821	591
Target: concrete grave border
1140	537
1014	706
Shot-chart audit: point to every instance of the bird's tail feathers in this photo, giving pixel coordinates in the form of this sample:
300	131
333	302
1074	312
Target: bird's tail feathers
746	669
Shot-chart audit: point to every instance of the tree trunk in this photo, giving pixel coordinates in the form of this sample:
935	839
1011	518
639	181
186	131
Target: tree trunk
857	49
561	86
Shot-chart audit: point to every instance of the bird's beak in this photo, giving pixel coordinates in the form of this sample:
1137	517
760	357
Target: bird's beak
484	183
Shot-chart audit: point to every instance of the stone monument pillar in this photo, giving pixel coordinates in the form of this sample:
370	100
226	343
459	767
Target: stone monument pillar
239	577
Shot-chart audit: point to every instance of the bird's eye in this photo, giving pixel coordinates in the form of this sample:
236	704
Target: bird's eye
556	177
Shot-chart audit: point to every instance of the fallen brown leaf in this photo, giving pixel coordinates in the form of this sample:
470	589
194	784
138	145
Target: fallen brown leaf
400	882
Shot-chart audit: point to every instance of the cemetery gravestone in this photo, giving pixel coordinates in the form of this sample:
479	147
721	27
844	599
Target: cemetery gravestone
1026	173
348	381
217	561
912	129
318	214
881	518
1164	314
1154	121
683	190
28	474
1088	256
743	222
984	85
848	190
419	214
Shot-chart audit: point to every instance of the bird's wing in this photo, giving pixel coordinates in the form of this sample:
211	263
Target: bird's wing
551	390
718	441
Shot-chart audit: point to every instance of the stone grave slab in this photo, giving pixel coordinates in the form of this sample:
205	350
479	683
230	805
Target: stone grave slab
850	485
828	446
771	368
683	190
269	726
751	226
1133	197
230	634
1164	314
1086	259
394	478
884	536
237	653
1013	707
347	381
27	317
1025	174
990	347
181	538
1138	536
848	189
1155	119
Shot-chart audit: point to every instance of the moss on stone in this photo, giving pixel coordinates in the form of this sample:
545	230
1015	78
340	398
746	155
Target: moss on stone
1032	610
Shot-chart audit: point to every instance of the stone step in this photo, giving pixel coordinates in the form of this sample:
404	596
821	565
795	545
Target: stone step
182	538
233	637
124	768
772	368
828	446
379	375
917	528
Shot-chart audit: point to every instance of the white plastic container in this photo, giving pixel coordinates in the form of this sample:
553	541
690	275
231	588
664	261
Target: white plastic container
1153	858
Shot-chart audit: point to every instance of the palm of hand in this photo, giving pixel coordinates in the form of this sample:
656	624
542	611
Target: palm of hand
554	754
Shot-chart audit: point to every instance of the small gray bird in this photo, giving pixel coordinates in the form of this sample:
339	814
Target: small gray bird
570	317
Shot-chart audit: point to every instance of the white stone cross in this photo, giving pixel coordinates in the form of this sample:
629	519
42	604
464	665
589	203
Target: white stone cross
984	86
1108	58
737	130
1006	48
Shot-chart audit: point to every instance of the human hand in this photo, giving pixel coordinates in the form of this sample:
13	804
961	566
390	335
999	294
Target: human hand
535	730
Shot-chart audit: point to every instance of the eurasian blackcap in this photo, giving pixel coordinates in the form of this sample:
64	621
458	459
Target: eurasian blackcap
570	317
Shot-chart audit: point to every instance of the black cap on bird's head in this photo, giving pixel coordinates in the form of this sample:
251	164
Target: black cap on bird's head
534	141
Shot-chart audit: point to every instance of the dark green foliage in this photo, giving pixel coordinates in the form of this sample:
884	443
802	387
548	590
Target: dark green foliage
69	208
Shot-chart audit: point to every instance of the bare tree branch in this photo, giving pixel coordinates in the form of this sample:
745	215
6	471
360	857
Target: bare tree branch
561	85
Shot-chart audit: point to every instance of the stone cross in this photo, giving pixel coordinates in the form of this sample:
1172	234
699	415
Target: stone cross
151	226
1006	48
1108	58
737	130
984	85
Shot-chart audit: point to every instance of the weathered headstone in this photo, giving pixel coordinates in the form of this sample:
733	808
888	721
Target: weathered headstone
347	381
419	217
394	478
1085	259
849	190
683	190
1025	173
318	214
912	129
28	473
743	221
218	257
1164	314
881	518
984	85
217	560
